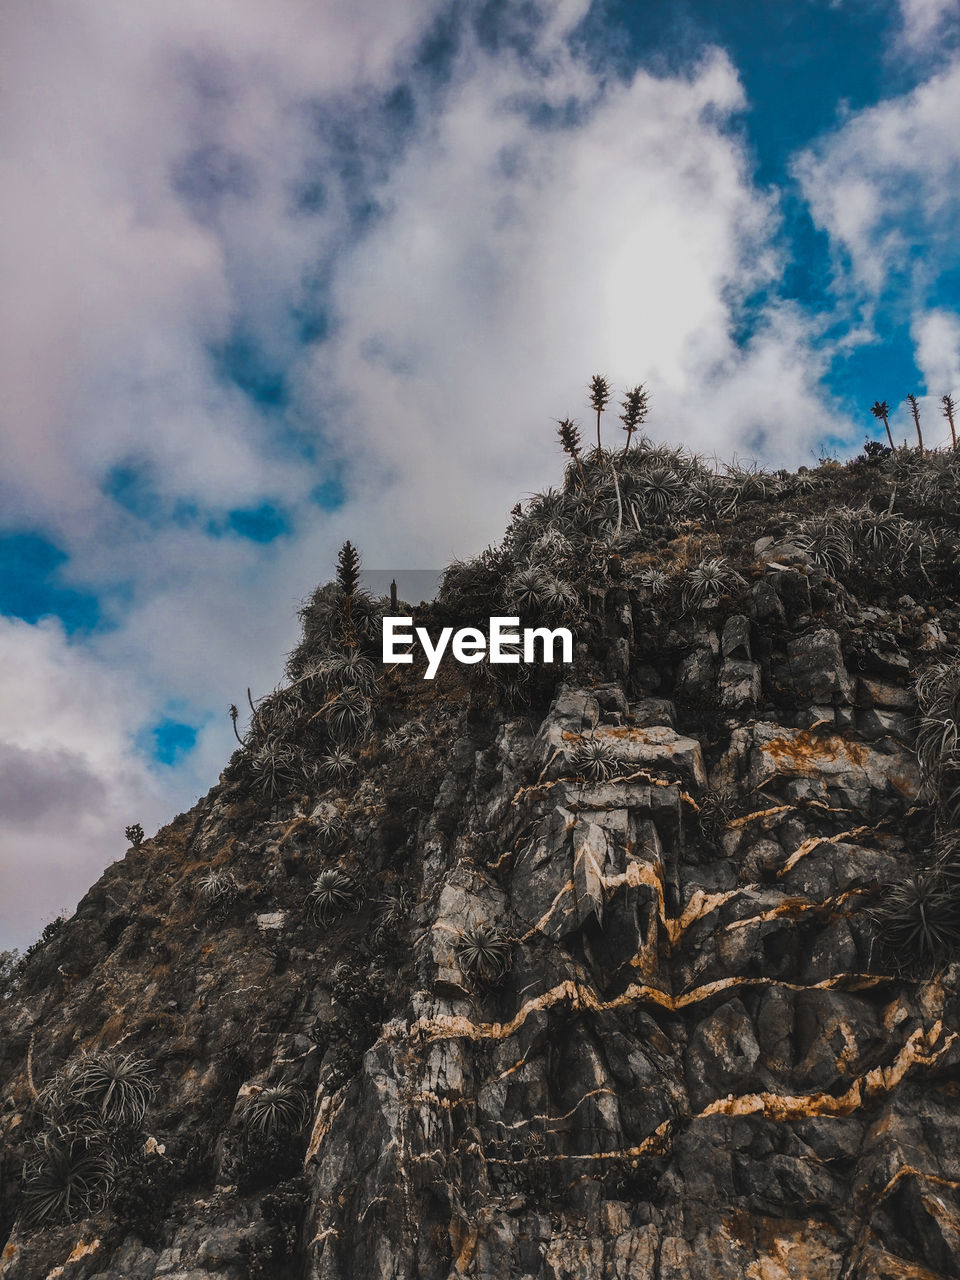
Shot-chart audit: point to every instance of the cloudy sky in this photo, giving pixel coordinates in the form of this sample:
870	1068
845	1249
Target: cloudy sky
279	272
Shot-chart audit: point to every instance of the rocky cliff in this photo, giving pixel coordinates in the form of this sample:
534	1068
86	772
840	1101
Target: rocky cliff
640	968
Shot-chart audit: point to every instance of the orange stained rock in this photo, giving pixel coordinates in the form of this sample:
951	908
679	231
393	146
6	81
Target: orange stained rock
917	1051
803	752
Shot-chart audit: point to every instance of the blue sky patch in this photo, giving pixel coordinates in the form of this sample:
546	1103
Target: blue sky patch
265	523
30	586
169	741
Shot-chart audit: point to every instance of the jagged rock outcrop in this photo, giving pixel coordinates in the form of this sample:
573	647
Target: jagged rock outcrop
694	1054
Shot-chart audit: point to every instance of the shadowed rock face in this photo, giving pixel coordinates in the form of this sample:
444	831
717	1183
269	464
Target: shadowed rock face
700	1059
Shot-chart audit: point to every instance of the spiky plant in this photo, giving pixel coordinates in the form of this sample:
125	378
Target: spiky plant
337	765
408	735
348	670
881	411
67	1180
527	589
658	490
275	769
328	824
938	737
914	404
827	541
656	581
348	714
705	584
559	597
948	408
393	909
570	443
334	892
277	1111
595	759
917	920
115	1088
348	568
484	952
715	809
635	406
752	482
599	394
218	888
884	533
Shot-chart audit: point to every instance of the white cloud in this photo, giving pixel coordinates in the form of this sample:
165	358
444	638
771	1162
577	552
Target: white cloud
924	20
885	182
543	222
517	261
937	337
72	779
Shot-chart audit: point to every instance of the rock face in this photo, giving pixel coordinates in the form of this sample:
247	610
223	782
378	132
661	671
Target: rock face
695	1057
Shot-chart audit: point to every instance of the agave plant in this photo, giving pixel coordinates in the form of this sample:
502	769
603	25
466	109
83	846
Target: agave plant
116	1086
559	597
527	589
349	670
337	765
918	919
658	491
278	1110
276	768
938	736
405	737
393	911
218	888
595	759
827	541
484	952
102	1090
714	812
334	892
706	583
348	714
67	1180
328	823
654	580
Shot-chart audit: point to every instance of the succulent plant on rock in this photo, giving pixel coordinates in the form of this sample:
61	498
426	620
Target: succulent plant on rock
336	765
595	759
278	1110
334	893
67	1180
484	952
218	888
918	919
705	584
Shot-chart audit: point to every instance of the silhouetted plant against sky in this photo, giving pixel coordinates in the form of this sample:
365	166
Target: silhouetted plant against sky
914	404
635	406
599	392
881	411
948	408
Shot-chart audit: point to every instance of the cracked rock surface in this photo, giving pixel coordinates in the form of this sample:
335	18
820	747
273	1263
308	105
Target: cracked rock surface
697	1060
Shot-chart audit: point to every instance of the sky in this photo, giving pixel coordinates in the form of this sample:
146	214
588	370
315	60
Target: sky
276	273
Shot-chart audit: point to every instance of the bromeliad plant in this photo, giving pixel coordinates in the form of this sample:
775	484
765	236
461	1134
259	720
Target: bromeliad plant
918	920
277	1111
333	894
595	760
484	952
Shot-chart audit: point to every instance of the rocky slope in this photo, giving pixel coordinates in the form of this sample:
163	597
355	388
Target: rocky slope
643	969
